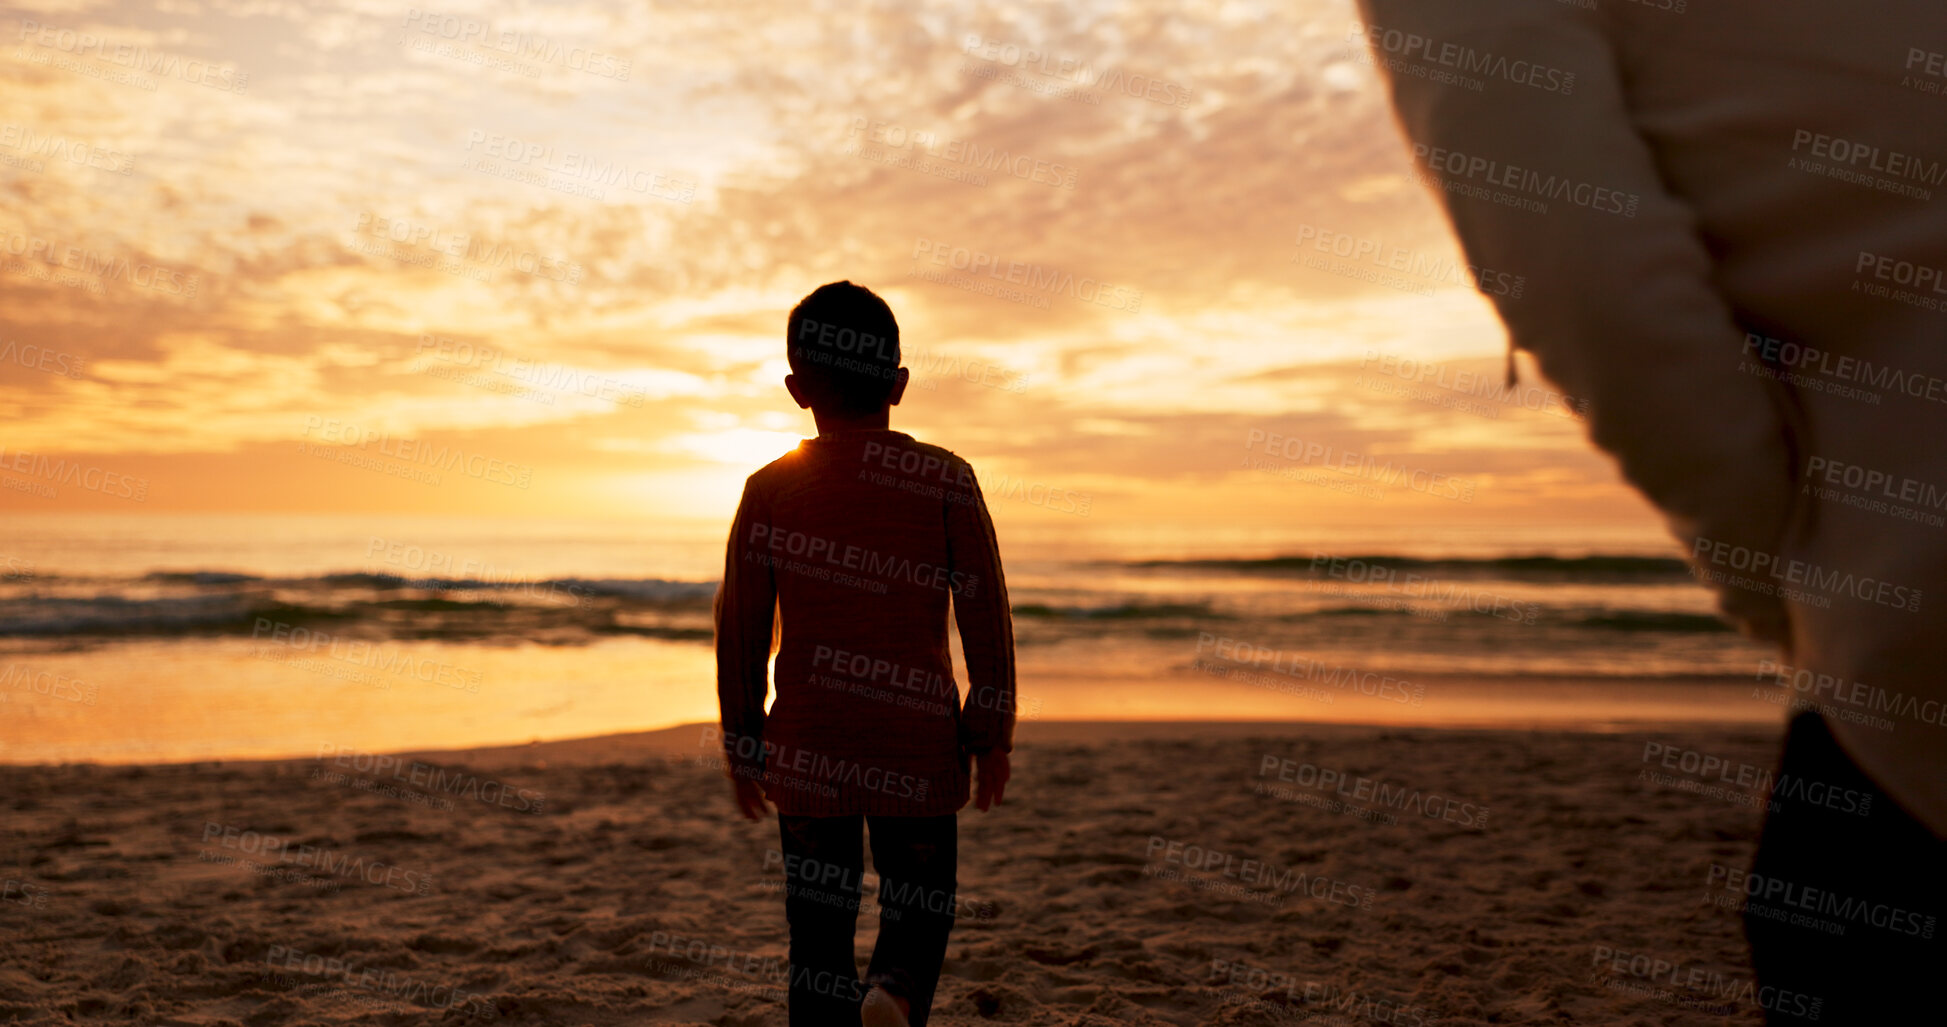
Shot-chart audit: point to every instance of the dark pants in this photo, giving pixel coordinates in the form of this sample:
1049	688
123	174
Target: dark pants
1886	860
824	864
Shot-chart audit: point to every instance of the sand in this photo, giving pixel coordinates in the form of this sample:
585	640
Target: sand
1145	874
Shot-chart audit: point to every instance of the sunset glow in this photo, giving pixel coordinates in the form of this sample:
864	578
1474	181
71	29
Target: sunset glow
302	258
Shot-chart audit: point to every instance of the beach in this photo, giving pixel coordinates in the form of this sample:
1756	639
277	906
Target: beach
1389	474
1145	873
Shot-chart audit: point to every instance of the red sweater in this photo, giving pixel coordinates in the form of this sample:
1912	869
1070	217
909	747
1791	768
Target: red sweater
858	539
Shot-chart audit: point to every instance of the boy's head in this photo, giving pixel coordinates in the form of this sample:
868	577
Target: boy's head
843	345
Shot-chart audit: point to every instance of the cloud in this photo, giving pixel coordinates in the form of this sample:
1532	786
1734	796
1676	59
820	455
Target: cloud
1104	208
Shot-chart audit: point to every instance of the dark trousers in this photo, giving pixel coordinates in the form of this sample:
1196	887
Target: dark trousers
824	864
1886	860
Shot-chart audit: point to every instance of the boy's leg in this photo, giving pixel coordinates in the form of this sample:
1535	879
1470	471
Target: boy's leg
917	859
824	862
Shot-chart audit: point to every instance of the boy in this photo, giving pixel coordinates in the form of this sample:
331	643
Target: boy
859	538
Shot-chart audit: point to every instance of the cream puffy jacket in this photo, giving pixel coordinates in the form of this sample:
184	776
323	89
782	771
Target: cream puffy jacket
1733	221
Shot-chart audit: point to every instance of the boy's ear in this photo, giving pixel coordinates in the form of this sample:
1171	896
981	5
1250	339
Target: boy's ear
791	386
899	380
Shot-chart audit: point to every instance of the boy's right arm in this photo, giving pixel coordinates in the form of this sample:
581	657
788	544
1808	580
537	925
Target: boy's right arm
745	603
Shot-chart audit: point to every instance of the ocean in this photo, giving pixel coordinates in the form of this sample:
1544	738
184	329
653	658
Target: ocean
168	638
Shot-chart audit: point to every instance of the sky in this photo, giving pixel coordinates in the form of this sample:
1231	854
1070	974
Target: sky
1159	271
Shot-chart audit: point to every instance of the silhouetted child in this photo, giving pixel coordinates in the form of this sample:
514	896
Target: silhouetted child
859	538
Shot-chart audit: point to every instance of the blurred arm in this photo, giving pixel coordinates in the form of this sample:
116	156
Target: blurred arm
1619	309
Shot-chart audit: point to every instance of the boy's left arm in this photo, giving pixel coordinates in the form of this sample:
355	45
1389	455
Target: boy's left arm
745	604
986	635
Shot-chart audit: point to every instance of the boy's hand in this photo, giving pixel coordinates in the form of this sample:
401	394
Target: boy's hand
750	798
990	778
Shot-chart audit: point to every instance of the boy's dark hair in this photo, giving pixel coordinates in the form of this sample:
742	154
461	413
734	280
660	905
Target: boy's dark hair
843	345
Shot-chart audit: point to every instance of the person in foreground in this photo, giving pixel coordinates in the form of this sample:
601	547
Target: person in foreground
1729	220
859	539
